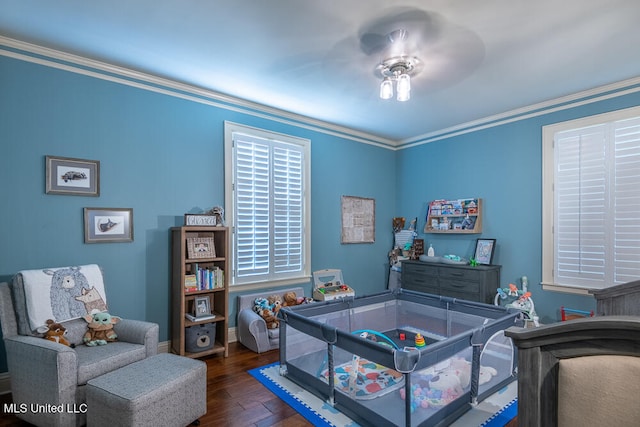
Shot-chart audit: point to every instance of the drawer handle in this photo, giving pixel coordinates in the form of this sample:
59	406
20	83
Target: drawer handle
457	274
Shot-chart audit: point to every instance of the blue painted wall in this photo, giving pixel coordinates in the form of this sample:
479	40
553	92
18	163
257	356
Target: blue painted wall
503	166
162	156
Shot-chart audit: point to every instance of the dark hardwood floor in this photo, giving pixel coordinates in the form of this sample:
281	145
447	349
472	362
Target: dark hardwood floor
234	398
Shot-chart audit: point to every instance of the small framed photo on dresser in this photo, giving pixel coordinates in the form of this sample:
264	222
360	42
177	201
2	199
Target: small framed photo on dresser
484	251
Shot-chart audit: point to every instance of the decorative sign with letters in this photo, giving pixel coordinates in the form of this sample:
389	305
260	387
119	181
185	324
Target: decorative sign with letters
198	219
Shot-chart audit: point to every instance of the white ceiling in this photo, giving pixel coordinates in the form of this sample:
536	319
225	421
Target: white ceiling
481	58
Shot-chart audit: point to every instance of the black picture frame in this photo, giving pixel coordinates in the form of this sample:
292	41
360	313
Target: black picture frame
102	225
69	176
485	249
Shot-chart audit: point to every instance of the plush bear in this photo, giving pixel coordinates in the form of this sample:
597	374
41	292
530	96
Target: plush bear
55	332
290	299
100	328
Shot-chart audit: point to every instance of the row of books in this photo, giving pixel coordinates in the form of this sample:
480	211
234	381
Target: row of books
204	279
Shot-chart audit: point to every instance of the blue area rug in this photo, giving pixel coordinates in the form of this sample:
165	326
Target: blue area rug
495	411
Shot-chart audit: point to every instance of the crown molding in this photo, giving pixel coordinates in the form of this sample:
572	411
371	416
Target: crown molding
77	64
80	65
589	96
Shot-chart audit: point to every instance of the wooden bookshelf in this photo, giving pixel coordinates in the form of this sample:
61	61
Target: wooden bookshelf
202	251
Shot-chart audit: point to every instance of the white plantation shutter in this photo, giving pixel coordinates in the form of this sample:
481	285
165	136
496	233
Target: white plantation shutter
626	232
252	228
597	205
269	206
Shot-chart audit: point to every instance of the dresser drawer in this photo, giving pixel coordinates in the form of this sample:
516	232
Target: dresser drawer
421	287
420	269
459	273
459	286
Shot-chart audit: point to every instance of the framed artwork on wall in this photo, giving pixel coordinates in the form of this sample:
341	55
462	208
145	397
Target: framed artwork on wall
108	225
358	220
484	251
76	177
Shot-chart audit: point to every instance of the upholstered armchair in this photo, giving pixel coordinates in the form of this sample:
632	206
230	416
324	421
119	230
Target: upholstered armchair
44	372
252	329
582	372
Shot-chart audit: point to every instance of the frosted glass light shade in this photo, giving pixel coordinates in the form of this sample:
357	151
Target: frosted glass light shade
404	87
386	89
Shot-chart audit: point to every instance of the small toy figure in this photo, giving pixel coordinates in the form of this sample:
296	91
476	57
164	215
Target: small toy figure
420	342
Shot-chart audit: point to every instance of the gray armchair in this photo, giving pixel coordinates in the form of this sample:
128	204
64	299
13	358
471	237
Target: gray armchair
48	373
252	329
582	372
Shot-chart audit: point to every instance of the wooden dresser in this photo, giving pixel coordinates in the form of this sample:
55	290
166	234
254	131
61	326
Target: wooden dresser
457	281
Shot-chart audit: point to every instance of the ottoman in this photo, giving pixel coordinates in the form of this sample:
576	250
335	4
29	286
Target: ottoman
162	390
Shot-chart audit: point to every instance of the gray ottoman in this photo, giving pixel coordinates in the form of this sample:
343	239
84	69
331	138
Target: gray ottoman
162	390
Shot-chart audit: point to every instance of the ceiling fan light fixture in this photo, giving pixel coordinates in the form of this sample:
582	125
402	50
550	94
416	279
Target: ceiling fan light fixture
404	87
398	69
386	88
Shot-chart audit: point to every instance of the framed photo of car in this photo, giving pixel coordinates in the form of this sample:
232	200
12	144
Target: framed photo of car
103	225
76	177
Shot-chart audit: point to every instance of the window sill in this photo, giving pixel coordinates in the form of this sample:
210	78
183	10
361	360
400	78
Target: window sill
304	280
566	289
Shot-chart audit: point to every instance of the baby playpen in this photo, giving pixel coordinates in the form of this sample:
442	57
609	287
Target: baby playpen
399	357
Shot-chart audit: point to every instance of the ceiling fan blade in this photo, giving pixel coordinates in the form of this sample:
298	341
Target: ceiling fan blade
417	26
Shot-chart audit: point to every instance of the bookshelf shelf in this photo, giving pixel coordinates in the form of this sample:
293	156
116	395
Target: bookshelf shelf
460	216
194	280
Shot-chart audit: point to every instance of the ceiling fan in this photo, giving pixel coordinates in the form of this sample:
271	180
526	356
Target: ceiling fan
409	43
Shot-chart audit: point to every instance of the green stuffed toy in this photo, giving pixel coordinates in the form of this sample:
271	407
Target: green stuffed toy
100	328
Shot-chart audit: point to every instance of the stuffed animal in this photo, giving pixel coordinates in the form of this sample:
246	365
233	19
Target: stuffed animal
260	304
275	303
271	315
55	332
290	299
100	328
462	368
448	382
486	373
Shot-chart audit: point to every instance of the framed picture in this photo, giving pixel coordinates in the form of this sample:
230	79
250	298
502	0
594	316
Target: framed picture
484	251
75	177
201	247
201	307
358	220
108	225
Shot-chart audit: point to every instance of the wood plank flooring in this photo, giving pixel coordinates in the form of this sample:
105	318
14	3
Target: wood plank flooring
234	398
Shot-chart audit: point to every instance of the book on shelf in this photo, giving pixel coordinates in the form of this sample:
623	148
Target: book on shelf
199	319
190	283
208	278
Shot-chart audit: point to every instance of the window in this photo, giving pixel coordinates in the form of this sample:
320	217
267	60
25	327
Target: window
268	206
591	202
